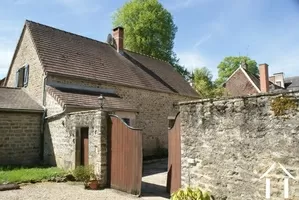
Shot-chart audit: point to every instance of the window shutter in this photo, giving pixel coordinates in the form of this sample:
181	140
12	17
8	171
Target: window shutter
26	75
21	77
17	79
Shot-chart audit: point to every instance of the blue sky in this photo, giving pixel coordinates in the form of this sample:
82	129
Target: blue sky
208	30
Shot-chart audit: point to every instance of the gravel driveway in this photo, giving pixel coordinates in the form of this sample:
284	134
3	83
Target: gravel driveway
153	188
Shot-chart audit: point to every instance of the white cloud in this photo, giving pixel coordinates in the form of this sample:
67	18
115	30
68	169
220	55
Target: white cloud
191	60
202	40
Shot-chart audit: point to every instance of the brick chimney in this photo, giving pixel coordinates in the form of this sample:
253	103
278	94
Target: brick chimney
264	78
118	35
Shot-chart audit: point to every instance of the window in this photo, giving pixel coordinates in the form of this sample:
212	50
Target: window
126	120
22	76
278	83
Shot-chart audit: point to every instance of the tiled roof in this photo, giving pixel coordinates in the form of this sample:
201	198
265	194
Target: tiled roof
17	99
69	54
164	71
2	82
292	83
90	100
256	80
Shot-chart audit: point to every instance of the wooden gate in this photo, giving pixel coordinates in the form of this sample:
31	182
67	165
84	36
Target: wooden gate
174	156
124	156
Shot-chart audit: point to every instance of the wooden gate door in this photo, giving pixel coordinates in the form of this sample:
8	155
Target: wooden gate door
174	157
124	156
84	146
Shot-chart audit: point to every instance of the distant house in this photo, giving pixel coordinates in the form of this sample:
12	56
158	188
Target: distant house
64	72
242	82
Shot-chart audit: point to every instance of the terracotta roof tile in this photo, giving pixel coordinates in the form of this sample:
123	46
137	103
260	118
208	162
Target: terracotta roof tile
69	54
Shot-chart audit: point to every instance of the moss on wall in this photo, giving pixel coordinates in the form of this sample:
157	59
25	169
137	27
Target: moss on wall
280	105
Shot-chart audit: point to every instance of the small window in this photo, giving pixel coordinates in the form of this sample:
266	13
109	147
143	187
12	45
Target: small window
22	76
278	83
126	120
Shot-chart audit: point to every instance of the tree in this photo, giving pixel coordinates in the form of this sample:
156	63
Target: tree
202	79
149	29
229	64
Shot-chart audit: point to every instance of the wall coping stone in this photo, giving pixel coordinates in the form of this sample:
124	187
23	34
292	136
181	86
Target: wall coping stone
238	98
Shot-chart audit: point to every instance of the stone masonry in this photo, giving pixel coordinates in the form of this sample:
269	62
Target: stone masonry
20	138
228	144
60	140
96	121
154	108
27	54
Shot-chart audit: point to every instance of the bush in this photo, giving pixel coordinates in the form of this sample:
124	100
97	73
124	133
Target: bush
191	194
83	173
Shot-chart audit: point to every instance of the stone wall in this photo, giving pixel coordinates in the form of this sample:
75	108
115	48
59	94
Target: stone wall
20	138
227	145
96	121
154	108
60	140
26	54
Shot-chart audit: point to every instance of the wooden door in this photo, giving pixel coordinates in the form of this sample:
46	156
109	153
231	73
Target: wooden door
84	146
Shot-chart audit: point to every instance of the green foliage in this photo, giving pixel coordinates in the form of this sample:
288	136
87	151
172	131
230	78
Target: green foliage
21	175
280	105
84	173
204	85
191	194
229	64
149	29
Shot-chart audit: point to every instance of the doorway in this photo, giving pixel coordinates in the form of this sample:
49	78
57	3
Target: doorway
82	151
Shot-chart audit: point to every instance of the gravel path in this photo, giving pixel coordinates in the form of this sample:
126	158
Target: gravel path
62	191
153	188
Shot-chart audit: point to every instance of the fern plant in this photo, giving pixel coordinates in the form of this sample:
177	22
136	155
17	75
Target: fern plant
191	194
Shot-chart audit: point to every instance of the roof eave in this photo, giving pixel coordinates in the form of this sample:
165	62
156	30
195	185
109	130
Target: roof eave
112	83
20	110
98	107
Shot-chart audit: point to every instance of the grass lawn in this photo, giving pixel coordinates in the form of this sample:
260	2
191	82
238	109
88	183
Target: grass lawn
18	175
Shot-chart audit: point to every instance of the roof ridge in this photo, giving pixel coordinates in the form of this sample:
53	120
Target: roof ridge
148	56
67	32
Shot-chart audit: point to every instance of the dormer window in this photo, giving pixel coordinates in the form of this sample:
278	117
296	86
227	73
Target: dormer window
22	76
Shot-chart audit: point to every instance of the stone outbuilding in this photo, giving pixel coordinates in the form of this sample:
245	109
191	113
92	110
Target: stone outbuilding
20	128
65	73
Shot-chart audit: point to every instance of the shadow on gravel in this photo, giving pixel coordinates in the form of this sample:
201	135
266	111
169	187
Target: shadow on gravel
154	179
153	190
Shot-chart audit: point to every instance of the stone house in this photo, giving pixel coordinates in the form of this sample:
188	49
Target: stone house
243	82
20	128
64	72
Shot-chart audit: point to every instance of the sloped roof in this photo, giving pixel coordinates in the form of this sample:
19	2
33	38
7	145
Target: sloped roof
17	99
88	99
2	82
73	55
292	82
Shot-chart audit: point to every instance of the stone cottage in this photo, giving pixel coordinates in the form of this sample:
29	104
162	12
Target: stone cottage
64	72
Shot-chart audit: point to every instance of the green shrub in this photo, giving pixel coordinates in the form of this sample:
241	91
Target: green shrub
83	173
191	194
